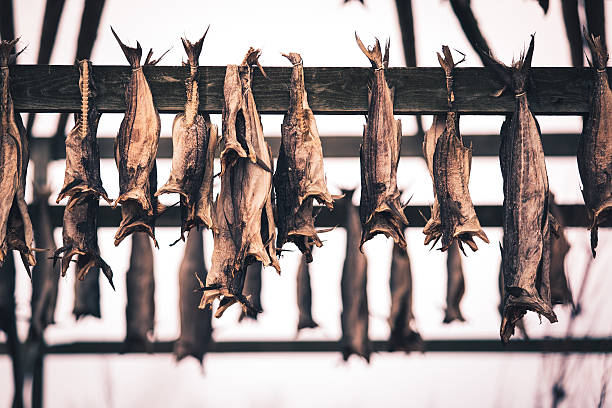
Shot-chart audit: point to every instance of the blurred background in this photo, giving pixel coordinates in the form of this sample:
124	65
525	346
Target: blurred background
323	32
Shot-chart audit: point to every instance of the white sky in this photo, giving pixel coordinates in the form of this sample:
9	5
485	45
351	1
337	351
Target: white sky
323	32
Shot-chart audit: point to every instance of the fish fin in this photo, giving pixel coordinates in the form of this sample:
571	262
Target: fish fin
154	62
374	53
133	55
193	50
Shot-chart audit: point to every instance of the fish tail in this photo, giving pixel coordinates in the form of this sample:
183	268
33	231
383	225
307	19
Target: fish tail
599	54
133	55
451	314
373	53
193	50
306	322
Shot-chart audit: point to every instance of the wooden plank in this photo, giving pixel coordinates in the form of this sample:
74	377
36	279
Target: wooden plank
348	146
548	345
559	91
489	216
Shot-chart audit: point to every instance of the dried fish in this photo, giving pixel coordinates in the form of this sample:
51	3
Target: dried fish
403	336
355	315
140	285
45	276
455	286
8	324
560	291
520	323
194	140
433	227
299	177
83	186
252	289
527	223
381	211
135	151
15	225
595	143
304	296
196	327
452	162
244	230
87	293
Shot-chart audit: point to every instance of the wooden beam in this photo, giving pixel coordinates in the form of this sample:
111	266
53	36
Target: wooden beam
548	345
489	216
559	91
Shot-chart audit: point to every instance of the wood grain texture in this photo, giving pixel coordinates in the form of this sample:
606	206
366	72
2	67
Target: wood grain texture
54	88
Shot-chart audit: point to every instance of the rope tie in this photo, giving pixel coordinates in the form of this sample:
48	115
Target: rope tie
520	94
601	71
137	69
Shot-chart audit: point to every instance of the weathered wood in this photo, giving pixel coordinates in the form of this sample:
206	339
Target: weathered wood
489	216
559	91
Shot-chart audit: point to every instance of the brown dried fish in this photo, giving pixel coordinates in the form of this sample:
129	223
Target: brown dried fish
299	177
83	186
8	324
252	289
45	276
15	225
595	143
452	162
455	286
304	296
244	230
381	211
353	284
527	222
560	292
196	327
87	293
135	151
520	324
194	140
401	319
433	227
140	286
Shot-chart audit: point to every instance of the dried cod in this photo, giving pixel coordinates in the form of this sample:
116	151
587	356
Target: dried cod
381	211
299	177
595	143
87	293
15	225
244	230
433	227
560	292
252	289
526	221
304	296
194	140
83	186
135	151
196	327
455	286
353	284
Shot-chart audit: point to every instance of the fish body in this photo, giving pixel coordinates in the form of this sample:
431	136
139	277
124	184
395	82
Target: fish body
527	223
299	177
15	224
595	143
252	289
87	292
560	291
353	284
135	151
196	327
244	228
452	162
194	140
304	296
433	227
83	186
455	286
401	318
381	211
140	285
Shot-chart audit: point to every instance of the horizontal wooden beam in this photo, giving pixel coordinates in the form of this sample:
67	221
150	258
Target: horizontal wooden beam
578	345
348	146
54	88
489	216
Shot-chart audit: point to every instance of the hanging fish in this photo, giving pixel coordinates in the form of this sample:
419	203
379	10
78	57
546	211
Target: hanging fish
451	170
355	314
83	186
45	276
433	227
299	179
304	296
244	230
196	327
571	20
381	211
520	324
135	151
526	221
140	286
194	140
560	292
87	292
8	324
595	143
252	289
455	286
15	225
401	319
